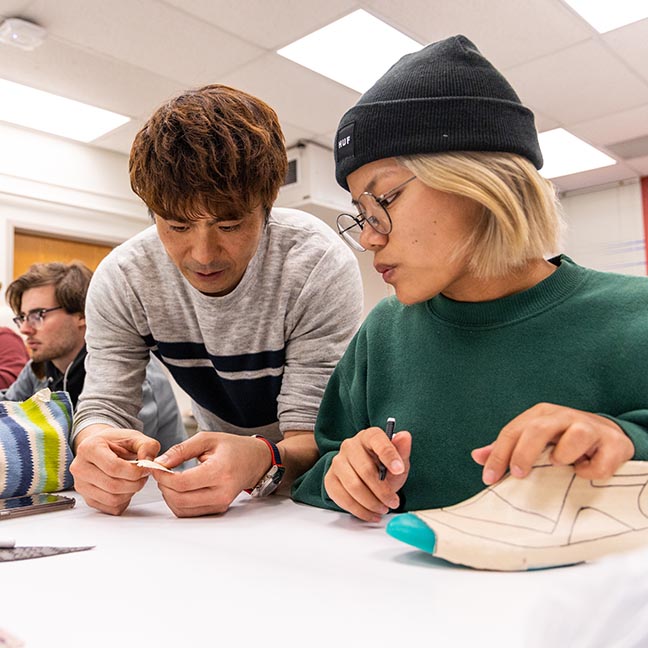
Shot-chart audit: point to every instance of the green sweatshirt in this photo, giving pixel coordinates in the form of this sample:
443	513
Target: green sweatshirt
454	373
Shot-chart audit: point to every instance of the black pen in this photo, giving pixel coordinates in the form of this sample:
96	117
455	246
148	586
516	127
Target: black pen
389	431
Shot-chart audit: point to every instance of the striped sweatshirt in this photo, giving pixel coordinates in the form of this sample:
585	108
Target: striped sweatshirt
254	361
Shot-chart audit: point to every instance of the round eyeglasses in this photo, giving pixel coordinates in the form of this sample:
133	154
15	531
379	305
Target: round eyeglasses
34	318
371	209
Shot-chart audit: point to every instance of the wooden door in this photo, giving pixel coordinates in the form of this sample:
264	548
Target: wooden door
32	248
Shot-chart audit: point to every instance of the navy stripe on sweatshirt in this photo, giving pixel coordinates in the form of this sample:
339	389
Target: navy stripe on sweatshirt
244	402
230	363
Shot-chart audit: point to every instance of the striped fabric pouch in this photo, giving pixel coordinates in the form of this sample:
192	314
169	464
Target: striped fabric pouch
34	453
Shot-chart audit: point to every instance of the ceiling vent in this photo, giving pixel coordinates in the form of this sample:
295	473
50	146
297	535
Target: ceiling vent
310	183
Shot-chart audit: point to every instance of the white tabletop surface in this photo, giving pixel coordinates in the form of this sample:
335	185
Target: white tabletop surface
275	573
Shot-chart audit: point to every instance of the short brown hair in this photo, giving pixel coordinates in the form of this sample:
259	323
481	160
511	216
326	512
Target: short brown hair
70	281
521	218
216	150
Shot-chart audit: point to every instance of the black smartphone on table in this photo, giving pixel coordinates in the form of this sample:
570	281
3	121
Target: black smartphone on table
13	507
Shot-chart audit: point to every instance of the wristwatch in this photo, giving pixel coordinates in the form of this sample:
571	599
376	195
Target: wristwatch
271	480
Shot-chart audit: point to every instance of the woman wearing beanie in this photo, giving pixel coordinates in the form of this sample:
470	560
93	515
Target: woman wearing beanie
488	352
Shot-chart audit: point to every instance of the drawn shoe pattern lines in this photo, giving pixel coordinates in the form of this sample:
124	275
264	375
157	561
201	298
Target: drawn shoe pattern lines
550	518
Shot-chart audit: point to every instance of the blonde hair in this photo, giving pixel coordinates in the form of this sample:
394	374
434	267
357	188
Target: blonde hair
521	217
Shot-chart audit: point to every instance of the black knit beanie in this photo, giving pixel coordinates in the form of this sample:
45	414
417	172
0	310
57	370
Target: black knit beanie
445	97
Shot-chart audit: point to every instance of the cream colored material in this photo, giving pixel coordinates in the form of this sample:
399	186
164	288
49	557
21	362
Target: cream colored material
146	463
550	518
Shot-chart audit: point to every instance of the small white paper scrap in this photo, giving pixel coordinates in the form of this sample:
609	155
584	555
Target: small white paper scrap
146	463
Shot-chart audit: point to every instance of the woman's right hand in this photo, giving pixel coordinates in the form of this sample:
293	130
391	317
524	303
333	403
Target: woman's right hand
352	481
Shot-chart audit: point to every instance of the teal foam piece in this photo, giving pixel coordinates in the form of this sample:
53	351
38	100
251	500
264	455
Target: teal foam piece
411	529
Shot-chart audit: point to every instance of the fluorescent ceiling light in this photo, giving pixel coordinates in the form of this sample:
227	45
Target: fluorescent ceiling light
606	15
354	51
565	154
53	114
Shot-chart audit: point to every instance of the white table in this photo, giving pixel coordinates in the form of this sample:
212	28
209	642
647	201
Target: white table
272	572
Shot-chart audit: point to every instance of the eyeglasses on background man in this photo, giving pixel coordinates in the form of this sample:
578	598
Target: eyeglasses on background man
34	318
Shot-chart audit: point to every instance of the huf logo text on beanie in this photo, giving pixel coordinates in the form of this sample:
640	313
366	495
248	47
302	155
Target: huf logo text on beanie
345	142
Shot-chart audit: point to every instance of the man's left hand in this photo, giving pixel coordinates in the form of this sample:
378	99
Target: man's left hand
228	464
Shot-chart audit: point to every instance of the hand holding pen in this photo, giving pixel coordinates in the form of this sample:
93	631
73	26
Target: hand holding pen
353	482
389	431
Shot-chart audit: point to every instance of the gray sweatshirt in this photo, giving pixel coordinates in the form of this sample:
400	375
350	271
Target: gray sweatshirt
255	361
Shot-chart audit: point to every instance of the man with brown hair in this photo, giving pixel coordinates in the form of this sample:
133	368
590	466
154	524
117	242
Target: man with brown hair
49	302
249	306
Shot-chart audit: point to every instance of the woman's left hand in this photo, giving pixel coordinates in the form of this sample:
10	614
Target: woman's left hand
595	445
352	480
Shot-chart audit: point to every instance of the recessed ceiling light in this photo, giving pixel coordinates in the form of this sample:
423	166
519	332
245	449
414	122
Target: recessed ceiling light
565	154
605	15
50	113
354	51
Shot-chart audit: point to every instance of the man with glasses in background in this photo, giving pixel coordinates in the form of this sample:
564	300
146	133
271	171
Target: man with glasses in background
49	302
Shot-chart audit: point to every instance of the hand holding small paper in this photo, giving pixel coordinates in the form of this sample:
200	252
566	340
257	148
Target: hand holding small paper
228	464
103	473
147	463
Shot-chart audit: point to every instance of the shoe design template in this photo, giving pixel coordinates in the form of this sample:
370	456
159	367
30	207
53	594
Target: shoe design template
550	518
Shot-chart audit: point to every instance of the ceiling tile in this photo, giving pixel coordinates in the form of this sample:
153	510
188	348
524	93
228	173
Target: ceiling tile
639	165
631	44
268	24
293	134
327	139
65	70
615	127
121	139
14	8
148	34
620	171
508	32
544	123
632	148
300	96
581	83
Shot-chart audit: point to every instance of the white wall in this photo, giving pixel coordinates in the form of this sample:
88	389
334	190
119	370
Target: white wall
60	187
605	228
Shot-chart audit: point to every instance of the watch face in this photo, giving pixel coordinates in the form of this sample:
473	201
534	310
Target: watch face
270	482
275	474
